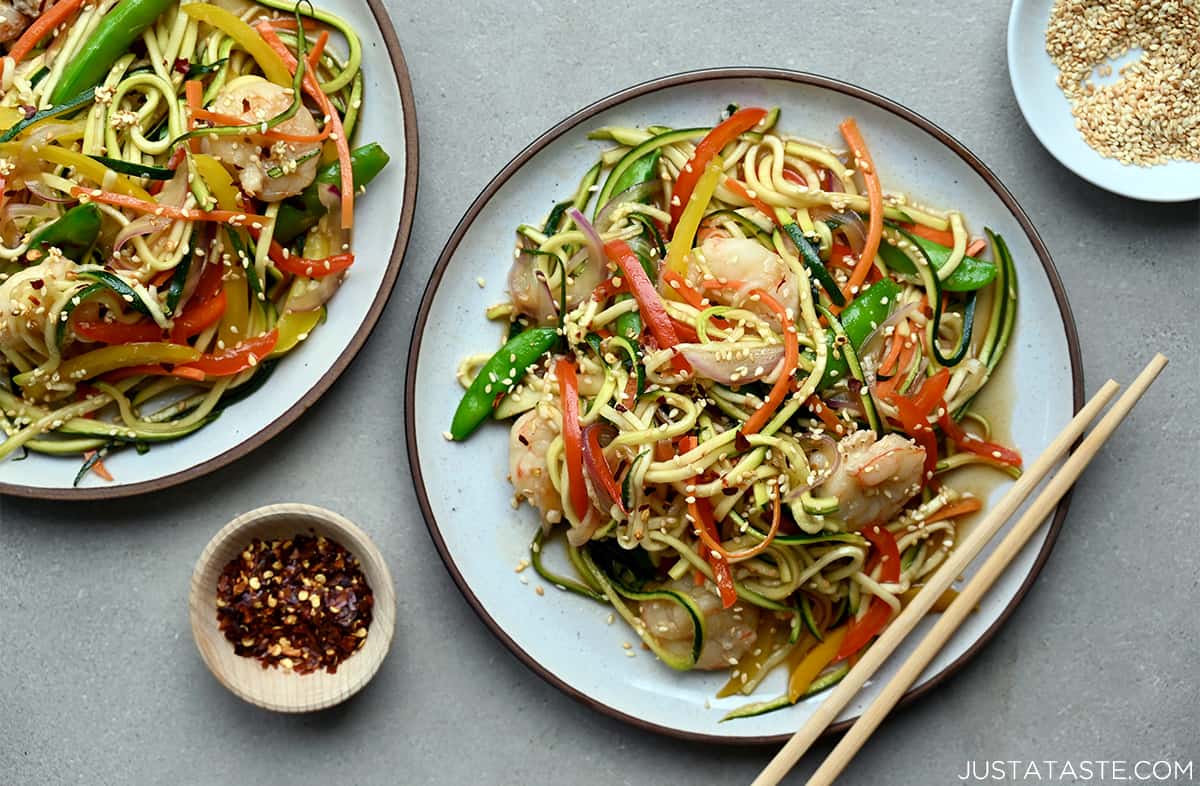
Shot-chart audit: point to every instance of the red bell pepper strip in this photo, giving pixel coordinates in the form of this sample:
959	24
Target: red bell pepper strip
649	303
737	124
302	266
568	385
973	444
235	360
887	556
916	410
598	467
198	317
702	517
116	332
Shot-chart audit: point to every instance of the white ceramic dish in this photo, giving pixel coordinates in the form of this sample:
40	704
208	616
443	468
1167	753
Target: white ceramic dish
1048	113
562	637
383	220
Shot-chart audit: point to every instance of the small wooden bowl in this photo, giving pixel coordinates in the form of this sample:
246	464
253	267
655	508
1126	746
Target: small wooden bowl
274	688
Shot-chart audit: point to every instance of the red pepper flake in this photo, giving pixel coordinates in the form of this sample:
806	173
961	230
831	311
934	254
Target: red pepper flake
300	604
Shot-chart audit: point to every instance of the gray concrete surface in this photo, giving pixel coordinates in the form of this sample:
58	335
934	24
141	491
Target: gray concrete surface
100	682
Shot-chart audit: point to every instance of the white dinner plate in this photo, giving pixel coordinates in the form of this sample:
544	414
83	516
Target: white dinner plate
463	489
1048	113
383	219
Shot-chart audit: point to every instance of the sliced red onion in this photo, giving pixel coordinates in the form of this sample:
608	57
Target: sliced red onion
140	227
596	464
733	364
595	245
329	195
47	194
528	289
636	193
853	228
317	293
867	348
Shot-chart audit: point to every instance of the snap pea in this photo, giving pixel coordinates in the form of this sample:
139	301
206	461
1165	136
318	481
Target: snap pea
112	38
497	377
74	233
300	214
970	275
865	313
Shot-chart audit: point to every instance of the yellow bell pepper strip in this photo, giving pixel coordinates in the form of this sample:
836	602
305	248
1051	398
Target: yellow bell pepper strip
814	663
236	318
712	144
106	359
693	213
218	180
245	37
863	163
294	327
95	171
10	116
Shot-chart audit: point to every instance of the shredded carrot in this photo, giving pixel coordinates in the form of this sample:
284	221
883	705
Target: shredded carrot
252	129
169	211
830	420
943	237
736	187
339	134
52	18
864	164
889	360
314	56
954	510
976	247
98	467
194	92
889	386
288	23
698	578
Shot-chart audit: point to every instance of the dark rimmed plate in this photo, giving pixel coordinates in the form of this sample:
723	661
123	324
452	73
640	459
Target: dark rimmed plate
567	640
383	219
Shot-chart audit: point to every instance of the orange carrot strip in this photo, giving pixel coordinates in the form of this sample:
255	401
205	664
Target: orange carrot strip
45	23
194	92
864	164
254	130
169	211
98	467
943	237
956	509
977	246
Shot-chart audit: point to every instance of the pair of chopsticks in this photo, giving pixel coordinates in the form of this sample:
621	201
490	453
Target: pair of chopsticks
970	595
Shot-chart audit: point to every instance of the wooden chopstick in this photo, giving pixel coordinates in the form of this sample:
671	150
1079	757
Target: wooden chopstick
983	579
919	606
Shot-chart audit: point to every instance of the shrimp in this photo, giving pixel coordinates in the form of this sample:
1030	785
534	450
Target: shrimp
15	17
745	260
527	470
875	478
728	633
253	99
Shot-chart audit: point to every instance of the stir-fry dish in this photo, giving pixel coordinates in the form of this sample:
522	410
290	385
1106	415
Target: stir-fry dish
177	191
742	389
